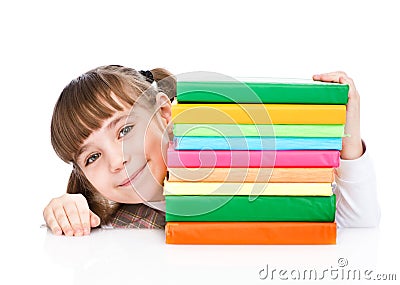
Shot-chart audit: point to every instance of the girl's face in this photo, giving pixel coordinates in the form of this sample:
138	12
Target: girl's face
125	159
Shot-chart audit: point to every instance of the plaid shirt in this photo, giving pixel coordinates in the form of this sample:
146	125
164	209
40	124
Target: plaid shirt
138	216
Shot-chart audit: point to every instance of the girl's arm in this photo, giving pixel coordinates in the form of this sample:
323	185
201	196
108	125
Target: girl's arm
356	197
351	144
70	214
355	190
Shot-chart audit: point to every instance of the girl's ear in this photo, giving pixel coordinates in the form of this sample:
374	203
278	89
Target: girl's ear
164	105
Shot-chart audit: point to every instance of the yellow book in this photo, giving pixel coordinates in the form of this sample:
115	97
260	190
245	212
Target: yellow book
258	114
271	175
252	189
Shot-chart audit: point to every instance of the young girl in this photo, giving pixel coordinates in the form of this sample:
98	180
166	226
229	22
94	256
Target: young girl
113	125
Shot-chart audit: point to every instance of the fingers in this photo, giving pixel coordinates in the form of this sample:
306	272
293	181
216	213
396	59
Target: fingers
80	216
330	76
61	218
76	221
70	214
51	221
339	77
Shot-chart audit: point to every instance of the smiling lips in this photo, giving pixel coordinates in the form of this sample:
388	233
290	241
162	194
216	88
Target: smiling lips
128	181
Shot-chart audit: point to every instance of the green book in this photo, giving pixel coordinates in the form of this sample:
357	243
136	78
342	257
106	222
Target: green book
250	208
248	130
262	90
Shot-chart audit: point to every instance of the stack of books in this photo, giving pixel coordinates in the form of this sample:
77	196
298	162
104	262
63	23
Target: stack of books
252	162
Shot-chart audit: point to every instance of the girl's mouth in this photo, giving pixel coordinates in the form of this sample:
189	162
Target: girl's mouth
128	181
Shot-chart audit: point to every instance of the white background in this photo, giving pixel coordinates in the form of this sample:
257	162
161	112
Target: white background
45	44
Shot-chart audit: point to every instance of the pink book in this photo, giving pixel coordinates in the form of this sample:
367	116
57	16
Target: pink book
252	158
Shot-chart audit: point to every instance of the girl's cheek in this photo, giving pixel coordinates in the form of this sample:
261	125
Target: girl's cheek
95	175
133	147
91	178
135	140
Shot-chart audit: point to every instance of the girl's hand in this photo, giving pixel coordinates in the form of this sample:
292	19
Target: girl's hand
70	214
352	147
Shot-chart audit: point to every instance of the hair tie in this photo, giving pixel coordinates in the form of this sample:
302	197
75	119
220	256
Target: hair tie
148	75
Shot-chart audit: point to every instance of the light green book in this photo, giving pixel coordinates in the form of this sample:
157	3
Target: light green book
262	130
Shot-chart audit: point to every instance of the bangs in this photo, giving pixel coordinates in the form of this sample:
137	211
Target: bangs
85	104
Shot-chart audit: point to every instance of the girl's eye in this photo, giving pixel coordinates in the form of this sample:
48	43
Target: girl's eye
92	158
125	131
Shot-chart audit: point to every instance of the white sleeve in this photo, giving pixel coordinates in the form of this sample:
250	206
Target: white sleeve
356	195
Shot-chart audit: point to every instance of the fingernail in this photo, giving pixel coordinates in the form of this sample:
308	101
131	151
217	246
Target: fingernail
69	233
78	233
57	232
86	231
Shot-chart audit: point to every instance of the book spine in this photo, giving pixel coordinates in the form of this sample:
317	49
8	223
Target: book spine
258	114
253	92
247	175
257	143
238	159
279	233
255	189
250	209
241	130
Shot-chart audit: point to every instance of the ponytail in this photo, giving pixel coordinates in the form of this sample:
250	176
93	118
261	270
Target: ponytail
166	82
102	207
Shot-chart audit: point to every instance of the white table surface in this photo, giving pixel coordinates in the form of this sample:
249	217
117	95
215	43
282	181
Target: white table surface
127	256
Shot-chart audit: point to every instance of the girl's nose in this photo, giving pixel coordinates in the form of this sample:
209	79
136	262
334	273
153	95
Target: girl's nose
117	160
117	164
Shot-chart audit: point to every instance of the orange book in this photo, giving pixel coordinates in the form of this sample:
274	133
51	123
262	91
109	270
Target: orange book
271	175
250	233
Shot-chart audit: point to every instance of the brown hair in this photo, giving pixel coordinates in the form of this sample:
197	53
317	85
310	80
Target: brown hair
85	103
